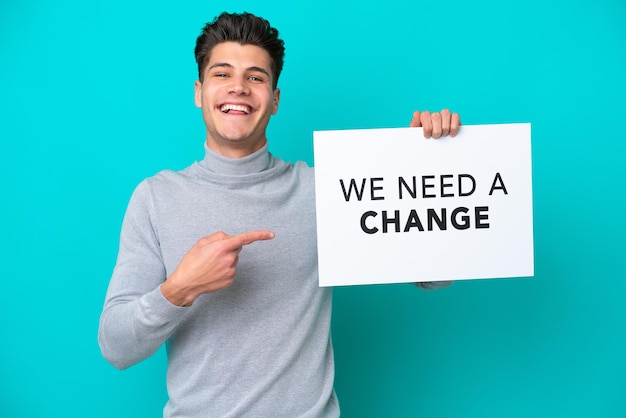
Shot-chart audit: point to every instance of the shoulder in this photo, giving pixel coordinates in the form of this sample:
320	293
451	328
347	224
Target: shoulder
302	174
166	180
161	183
303	169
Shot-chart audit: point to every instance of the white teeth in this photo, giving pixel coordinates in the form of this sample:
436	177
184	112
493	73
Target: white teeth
225	108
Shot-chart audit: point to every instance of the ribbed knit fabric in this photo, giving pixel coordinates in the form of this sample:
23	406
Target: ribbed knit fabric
260	348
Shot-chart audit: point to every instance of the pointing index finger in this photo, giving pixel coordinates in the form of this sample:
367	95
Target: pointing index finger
249	237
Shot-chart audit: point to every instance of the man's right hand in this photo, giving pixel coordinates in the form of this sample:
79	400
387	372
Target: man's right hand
209	266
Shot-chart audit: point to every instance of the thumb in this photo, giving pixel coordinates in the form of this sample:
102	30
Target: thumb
416	121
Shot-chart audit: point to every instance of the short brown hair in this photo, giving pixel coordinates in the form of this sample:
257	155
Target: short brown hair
246	29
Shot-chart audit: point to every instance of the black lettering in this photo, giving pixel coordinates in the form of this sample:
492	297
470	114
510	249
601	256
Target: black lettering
395	221
497	179
347	195
464	218
413	221
481	217
374	188
466	176
364	226
444	185
441	221
412	192
427	186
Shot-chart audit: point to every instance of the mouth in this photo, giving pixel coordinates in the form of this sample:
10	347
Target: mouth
236	109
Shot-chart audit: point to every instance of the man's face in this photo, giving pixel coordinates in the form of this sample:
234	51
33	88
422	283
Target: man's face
237	98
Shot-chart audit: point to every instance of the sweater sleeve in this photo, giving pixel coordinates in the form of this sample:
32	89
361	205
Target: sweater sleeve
136	318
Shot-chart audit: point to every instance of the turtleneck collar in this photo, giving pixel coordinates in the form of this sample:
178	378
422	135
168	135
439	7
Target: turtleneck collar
256	162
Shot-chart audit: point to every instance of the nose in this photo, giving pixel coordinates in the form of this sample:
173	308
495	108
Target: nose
239	86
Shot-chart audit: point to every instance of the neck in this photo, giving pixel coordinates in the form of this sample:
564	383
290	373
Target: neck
234	150
250	164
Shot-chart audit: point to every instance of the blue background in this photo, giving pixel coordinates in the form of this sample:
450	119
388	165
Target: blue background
95	96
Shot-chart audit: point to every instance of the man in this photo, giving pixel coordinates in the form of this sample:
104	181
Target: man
247	327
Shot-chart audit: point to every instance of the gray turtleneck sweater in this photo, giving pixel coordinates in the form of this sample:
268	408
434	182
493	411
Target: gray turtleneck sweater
260	348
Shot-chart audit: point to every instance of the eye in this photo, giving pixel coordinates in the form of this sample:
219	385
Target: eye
220	75
256	78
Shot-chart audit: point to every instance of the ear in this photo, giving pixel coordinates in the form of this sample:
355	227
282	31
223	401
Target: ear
197	93
276	101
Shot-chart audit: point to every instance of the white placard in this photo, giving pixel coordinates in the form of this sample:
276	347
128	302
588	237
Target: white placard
394	207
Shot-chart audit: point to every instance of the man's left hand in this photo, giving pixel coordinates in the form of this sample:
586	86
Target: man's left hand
436	124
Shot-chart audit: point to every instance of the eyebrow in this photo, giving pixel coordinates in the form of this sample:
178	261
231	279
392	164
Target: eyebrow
253	68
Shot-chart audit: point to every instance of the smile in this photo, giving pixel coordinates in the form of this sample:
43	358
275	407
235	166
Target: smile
226	108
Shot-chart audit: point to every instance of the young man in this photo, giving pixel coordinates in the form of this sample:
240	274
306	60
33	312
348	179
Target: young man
247	327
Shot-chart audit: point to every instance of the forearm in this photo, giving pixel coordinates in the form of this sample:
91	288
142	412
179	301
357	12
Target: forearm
131	331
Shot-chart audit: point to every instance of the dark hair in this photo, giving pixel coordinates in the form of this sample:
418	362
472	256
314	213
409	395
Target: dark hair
246	29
